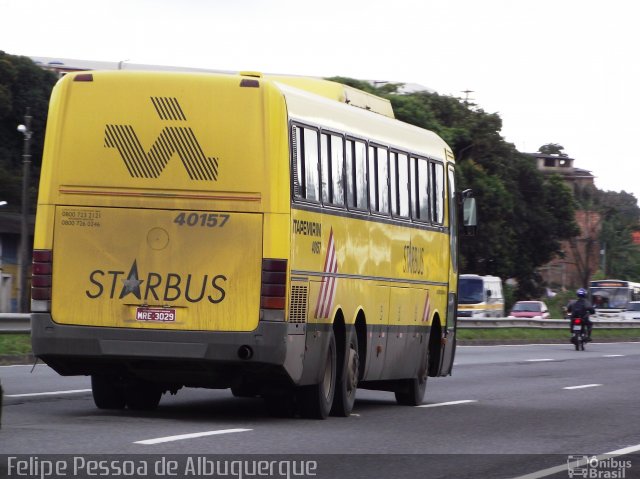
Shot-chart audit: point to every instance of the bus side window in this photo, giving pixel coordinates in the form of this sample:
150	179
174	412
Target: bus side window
325	167
382	177
413	186
350	173
399	179
378	179
361	175
420	188
305	163
310	146
332	163
393	183
403	184
436	181
356	174
337	170
372	172
298	171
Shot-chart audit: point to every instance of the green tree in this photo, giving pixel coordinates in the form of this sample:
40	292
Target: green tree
552	149
524	216
620	218
22	85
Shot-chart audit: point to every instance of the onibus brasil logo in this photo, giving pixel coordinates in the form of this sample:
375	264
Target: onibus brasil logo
597	467
180	140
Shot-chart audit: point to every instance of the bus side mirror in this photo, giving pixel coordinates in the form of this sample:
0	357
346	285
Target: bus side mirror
469	213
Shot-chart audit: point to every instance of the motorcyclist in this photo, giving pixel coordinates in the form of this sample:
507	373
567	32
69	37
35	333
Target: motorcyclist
581	308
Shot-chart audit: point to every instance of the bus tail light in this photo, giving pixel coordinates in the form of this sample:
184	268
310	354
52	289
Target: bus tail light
88	77
273	290
42	269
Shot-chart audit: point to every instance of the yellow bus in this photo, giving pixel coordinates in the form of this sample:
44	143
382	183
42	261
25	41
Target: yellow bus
283	237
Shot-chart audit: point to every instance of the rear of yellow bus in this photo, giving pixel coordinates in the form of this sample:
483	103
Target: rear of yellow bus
162	234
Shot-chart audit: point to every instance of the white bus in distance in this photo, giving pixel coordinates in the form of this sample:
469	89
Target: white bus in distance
480	297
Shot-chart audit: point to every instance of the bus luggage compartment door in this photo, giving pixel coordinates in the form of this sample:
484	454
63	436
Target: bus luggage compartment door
157	269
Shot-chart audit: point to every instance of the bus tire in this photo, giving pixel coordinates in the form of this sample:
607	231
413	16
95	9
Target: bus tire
347	379
410	392
316	400
107	392
142	396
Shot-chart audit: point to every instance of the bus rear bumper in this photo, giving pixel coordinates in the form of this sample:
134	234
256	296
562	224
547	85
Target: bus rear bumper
190	358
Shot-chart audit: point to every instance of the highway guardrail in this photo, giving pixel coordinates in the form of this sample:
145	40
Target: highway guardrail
20	323
15	323
539	323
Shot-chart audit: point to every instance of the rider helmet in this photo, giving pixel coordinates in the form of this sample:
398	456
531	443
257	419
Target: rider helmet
581	293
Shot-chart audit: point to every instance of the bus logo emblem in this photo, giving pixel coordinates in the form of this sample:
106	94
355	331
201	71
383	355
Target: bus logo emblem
180	140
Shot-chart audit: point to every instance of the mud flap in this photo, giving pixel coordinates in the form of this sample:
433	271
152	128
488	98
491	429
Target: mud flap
448	345
294	360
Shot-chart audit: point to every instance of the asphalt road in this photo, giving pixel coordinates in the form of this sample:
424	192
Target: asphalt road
507	411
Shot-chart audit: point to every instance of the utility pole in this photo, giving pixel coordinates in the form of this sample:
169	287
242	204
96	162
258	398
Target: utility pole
23	294
466	95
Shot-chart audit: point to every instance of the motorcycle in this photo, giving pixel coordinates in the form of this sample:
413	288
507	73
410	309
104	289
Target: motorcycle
578	333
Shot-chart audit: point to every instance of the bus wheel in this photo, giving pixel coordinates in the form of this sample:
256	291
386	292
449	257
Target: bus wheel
142	396
347	380
316	400
108	392
411	391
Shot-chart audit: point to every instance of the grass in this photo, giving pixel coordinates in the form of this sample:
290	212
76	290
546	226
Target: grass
524	334
20	344
15	344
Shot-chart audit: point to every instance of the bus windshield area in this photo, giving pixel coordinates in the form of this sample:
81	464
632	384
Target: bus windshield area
610	298
471	291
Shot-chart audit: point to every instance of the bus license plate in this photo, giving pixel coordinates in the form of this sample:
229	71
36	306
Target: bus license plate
156	315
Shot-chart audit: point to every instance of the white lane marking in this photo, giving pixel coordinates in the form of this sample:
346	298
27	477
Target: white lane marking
17	366
450	403
583	386
613	356
539	360
564	467
180	437
51	393
354	415
621	452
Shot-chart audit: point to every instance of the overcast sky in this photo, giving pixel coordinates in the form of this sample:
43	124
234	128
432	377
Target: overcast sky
556	71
